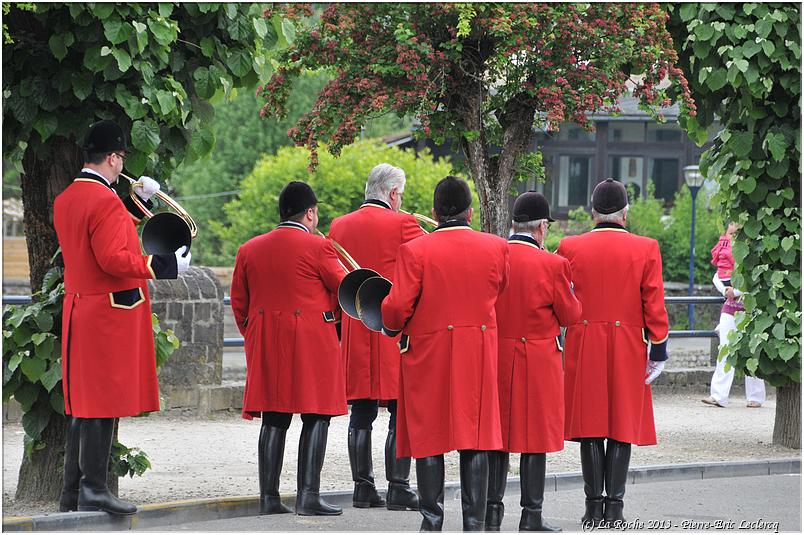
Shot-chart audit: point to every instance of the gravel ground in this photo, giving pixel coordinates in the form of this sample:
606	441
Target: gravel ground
194	458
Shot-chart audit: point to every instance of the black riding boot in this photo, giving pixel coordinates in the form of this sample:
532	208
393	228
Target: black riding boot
365	494
498	477
400	496
96	444
430	481
72	473
531	472
474	487
269	461
618	457
593	461
312	447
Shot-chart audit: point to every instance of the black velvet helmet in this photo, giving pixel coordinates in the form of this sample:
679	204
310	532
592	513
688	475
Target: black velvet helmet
294	198
105	136
609	196
531	206
451	196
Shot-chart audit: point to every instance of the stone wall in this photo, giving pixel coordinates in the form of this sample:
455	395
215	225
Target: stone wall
192	306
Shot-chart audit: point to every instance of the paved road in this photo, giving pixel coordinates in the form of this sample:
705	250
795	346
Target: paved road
758	504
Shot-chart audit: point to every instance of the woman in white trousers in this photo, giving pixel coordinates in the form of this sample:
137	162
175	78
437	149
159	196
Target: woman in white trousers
722	379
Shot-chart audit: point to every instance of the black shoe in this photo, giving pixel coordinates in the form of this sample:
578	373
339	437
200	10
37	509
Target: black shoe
312	447
430	480
593	462
400	496
365	494
96	444
498	477
270	458
618	457
474	470
72	473
532	468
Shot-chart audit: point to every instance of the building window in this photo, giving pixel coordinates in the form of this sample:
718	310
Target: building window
627	132
665	174
664	133
629	170
574	180
571	132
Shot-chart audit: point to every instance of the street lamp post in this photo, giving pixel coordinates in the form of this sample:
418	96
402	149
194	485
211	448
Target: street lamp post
694	180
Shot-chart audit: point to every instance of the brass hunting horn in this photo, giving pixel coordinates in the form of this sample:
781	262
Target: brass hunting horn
164	232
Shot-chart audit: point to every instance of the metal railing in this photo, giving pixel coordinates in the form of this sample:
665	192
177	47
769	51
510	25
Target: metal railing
670	300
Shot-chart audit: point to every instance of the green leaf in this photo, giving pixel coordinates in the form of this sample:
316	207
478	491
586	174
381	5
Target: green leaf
260	27
59	43
45	125
145	135
51	377
208	46
26	395
123	59
788	242
167	102
741	64
778	331
82	85
239	62
35	421
116	30
741	144
38	338
141	35
688	11
776	144
136	162
33	368
165	9
750	48
716	79
205	85
763	27
45	350
288	31
102	10
768	48
163	32
14	361
752	364
703	32
44	320
57	400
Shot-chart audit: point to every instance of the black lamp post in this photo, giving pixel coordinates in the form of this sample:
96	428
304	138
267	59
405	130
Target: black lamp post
694	180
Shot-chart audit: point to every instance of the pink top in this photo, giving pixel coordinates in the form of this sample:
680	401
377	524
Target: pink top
722	257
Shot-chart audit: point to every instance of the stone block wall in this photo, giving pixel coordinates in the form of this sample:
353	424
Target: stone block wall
192	306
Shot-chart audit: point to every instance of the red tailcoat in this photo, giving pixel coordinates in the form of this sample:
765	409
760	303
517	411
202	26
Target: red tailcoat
108	358
283	289
372	236
446	285
536	302
618	280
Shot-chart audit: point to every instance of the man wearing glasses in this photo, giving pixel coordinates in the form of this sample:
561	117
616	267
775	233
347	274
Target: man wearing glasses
108	358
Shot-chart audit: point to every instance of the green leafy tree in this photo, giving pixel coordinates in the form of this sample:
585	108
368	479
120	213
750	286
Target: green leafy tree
744	66
241	138
150	67
479	74
339	184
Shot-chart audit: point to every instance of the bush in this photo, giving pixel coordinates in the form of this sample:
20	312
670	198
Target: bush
339	184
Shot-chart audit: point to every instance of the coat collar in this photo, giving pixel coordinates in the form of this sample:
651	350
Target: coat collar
524	238
89	174
294	225
454	224
609	226
376	203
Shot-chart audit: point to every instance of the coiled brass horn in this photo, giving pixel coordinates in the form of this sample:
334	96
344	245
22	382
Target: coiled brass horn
422	218
164	232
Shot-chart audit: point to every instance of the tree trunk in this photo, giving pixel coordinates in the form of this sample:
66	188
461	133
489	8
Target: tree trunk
787	427
40	477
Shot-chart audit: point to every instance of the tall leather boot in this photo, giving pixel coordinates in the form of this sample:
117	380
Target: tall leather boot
270	458
593	462
532	467
430	481
312	447
618	457
96	444
365	494
474	488
498	477
400	496
72	473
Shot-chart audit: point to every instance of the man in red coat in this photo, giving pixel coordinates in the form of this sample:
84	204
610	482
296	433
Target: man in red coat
283	290
537	301
445	287
372	235
108	358
608	369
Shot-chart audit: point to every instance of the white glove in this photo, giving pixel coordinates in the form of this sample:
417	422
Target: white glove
147	187
653	370
183	257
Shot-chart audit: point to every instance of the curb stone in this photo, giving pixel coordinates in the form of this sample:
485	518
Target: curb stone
199	510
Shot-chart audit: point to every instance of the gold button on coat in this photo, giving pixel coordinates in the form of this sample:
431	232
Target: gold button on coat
585	322
449	327
482	327
617	323
523	339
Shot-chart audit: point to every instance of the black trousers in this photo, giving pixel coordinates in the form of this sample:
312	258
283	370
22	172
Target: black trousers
364	412
282	419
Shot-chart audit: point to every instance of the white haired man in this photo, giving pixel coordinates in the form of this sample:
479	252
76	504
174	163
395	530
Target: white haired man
372	234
